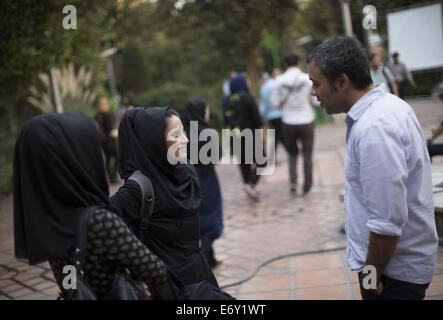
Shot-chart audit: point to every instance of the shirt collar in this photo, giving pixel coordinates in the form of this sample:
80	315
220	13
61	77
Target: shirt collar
364	102
362	105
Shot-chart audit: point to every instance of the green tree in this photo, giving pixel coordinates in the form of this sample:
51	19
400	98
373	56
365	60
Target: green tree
33	40
235	29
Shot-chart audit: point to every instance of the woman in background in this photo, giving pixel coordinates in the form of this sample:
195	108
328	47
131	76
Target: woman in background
107	139
241	112
211	215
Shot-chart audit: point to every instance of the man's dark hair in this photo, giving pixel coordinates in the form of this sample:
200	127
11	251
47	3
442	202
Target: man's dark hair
291	60
371	57
343	55
395	55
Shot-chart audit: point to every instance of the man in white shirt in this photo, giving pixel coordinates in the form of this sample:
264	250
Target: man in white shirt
292	95
390	224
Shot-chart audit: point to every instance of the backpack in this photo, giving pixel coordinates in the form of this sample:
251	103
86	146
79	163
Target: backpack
233	111
147	198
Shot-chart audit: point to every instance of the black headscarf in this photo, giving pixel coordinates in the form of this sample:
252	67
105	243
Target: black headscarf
58	172
142	146
195	111
238	84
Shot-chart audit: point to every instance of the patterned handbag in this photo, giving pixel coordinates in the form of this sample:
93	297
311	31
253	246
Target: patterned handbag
123	285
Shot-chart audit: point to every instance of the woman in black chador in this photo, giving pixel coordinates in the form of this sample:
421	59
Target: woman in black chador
58	175
172	233
211	212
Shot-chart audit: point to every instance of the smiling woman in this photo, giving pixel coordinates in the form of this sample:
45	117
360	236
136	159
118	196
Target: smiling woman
172	231
176	140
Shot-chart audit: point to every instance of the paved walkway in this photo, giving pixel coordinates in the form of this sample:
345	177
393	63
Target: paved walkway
254	233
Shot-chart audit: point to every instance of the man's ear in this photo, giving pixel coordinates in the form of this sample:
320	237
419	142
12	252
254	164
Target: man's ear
342	82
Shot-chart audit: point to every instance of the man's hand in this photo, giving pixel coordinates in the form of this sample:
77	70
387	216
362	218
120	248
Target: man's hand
380	250
379	289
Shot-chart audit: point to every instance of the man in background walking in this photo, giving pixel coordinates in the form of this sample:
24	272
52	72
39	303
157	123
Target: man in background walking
292	96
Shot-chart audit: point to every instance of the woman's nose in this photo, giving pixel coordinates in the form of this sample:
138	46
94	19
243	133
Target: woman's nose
184	138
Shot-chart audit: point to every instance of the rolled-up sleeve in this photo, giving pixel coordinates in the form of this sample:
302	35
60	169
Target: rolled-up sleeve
383	172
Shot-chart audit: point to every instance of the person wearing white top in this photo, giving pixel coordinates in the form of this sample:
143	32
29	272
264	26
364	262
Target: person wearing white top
292	95
390	224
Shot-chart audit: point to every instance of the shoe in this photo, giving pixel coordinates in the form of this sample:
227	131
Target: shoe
251	192
293	189
306	190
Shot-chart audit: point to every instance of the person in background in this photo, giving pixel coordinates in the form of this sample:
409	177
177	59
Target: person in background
436	149
391	233
226	89
382	74
242	113
58	175
292	96
127	103
401	74
211	210
271	114
107	138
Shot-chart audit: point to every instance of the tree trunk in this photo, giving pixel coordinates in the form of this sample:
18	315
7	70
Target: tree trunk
252	70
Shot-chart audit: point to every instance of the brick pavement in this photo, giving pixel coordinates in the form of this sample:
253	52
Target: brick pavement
256	232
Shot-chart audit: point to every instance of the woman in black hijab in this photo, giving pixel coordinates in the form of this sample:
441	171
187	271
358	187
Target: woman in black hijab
58	174
211	215
242	112
146	135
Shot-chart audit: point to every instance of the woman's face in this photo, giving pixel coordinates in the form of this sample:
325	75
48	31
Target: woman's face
103	105
176	139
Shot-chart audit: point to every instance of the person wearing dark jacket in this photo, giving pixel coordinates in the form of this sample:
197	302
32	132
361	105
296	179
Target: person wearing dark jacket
211	212
146	138
108	140
58	175
242	113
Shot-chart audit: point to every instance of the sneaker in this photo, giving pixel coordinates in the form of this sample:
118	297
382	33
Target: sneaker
251	192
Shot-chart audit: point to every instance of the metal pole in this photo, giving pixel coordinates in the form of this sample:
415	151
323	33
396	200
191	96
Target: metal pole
346	15
111	74
57	97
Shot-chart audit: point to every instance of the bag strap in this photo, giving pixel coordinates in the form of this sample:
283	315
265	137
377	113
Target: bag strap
147	195
81	236
291	89
388	80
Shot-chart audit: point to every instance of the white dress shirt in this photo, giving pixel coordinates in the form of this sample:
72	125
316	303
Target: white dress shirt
389	187
297	109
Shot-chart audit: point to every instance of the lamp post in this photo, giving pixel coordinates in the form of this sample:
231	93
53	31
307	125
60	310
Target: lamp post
110	68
